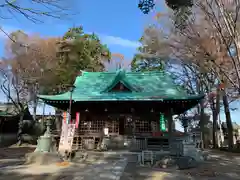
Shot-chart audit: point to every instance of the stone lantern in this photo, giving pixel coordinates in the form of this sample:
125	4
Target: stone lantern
46	142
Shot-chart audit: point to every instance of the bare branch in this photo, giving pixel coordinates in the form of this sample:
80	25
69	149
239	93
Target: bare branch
37	10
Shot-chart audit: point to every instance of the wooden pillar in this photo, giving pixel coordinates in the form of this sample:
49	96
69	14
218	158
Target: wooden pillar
170	126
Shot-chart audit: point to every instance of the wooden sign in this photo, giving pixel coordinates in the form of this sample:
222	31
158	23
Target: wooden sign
63	137
106	131
70	136
67	135
65	116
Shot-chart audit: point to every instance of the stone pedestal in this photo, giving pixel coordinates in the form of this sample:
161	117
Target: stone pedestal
46	143
42	158
46	152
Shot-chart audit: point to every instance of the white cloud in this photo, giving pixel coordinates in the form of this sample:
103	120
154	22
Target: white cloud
113	40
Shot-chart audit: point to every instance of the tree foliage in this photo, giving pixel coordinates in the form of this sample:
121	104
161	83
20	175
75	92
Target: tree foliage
34	65
152	55
79	51
50	63
118	61
53	63
205	47
211	39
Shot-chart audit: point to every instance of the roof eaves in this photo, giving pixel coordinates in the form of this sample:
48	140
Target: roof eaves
63	96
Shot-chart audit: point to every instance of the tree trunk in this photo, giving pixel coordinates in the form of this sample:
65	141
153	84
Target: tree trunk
185	130
20	128
214	128
170	130
202	124
228	120
215	112
35	103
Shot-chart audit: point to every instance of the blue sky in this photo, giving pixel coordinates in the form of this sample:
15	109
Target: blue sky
119	24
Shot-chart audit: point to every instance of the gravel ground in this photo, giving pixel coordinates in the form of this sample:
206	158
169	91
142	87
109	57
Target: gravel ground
221	166
97	166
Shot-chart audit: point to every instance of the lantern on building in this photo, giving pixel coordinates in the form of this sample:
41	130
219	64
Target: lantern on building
221	86
162	122
157	16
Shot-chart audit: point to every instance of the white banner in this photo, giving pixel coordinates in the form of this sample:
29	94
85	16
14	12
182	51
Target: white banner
67	135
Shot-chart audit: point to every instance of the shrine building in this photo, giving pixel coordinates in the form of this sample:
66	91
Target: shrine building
131	105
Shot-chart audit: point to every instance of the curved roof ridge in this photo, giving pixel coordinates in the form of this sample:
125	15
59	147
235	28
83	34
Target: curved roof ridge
83	73
87	73
98	72
145	72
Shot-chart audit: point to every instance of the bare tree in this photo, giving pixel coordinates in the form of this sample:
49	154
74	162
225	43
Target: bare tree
36	10
16	93
210	41
118	61
33	68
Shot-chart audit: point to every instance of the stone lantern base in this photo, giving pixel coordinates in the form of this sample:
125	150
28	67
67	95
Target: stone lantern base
46	152
42	158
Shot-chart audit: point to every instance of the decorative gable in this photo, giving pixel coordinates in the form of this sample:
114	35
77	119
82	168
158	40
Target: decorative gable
120	83
120	87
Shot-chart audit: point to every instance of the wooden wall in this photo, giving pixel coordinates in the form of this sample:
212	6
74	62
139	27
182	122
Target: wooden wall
124	124
121	127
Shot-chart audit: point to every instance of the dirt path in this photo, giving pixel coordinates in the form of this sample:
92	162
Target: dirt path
12	156
221	166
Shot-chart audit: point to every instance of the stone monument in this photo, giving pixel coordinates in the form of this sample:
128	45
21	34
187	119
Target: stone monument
46	152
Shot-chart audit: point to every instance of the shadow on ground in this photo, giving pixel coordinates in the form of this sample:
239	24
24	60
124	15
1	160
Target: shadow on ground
14	176
13	156
95	167
15	152
218	167
77	171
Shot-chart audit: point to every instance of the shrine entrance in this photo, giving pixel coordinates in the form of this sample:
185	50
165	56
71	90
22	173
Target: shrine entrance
121	125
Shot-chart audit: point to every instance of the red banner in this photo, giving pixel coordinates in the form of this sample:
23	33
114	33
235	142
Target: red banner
77	120
64	117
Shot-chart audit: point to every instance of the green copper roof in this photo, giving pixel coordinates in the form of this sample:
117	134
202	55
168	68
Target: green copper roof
149	86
